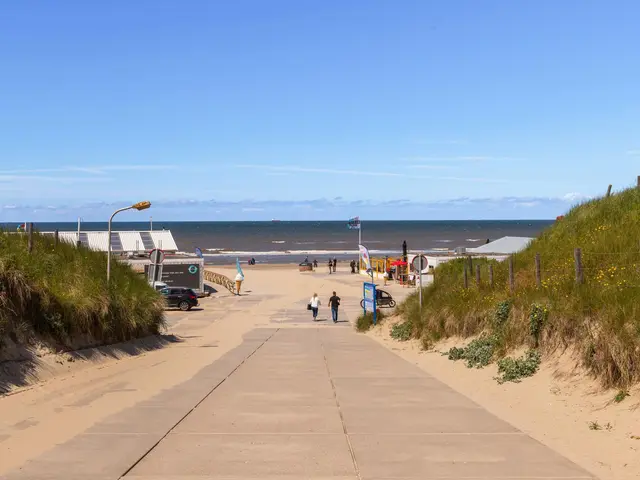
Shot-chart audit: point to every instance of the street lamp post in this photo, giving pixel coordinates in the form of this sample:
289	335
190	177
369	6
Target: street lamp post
136	206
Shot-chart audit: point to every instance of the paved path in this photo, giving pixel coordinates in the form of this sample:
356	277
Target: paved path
319	402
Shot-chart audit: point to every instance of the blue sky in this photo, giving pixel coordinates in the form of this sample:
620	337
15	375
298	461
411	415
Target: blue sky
316	110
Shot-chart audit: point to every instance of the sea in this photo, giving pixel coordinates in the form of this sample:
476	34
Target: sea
293	242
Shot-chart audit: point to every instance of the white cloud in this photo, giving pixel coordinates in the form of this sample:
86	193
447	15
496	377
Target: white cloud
365	173
575	197
462	159
9	207
428	141
433	167
332	171
633	152
527	204
43	178
94	170
252	209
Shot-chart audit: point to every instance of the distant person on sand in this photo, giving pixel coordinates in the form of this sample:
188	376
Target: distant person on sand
315	263
334	303
353	266
335	264
330	266
314	303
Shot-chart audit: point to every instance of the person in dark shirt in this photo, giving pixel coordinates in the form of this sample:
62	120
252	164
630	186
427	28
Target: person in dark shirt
335	264
330	266
334	303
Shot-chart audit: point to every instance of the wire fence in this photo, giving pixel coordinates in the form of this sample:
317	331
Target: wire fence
605	269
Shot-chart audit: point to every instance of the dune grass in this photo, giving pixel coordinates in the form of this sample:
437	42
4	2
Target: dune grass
599	318
365	320
60	295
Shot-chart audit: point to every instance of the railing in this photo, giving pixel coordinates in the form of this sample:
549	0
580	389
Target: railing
219	279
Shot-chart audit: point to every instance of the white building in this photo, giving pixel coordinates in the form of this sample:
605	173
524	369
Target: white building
502	246
122	242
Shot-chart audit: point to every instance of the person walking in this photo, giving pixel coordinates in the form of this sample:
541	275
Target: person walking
314	303
315	263
330	266
335	264
334	303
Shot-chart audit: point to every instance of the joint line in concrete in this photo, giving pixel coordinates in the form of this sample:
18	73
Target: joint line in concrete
195	406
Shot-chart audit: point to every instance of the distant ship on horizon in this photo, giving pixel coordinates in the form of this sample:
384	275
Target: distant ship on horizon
275	220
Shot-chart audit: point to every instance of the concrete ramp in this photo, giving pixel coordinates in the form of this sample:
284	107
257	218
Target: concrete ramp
305	403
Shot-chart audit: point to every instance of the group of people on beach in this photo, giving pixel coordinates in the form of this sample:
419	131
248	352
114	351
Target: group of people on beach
333	264
334	303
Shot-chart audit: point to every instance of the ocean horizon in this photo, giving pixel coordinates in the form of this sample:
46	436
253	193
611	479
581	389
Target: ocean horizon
293	241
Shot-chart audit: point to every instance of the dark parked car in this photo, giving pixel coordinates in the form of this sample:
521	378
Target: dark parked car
183	298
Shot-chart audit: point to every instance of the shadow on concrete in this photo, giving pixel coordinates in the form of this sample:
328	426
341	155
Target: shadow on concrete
27	363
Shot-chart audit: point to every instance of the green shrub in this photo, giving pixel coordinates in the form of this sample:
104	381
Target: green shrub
501	314
402	331
455	353
537	319
620	396
515	369
477	354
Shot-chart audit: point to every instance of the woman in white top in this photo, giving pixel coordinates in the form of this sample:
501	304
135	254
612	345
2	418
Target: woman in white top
315	304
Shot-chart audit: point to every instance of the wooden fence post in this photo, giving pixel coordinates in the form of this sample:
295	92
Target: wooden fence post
470	264
512	280
638	180
56	238
577	255
478	275
30	234
609	190
465	278
538	271
491	276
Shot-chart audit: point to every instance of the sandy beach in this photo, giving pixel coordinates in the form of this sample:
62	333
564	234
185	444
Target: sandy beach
74	395
69	397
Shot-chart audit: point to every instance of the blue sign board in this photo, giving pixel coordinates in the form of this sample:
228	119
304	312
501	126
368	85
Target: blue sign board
369	299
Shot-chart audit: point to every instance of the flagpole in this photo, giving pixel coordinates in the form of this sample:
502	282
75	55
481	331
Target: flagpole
359	243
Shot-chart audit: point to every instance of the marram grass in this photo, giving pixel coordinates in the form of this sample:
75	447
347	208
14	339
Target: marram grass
599	319
60	295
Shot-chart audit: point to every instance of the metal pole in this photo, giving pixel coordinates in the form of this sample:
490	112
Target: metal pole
109	240
30	237
151	223
420	282
359	243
